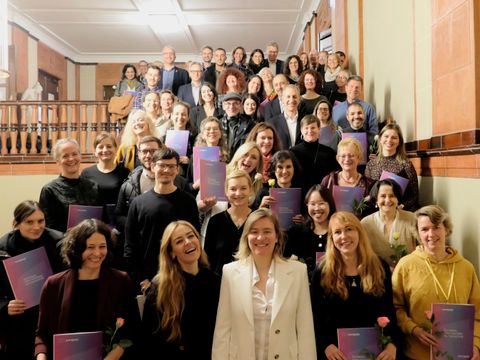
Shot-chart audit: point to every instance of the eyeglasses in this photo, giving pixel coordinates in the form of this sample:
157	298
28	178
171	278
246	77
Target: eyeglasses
168	167
196	71
147	151
213	129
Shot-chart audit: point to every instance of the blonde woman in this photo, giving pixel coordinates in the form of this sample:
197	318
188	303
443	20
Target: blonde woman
351	288
181	304
264	311
138	126
349	155
433	273
225	228
248	158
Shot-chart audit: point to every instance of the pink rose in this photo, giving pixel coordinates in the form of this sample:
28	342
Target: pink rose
383	321
120	322
428	314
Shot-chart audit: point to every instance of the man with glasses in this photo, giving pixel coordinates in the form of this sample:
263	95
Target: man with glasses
235	125
140	180
190	93
149	215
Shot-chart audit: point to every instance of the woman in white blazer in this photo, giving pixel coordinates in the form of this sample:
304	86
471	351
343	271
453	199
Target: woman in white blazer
264	310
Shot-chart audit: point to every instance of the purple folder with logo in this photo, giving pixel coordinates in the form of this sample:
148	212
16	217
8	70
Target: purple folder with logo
211	153
27	273
212	179
178	141
78	346
287	205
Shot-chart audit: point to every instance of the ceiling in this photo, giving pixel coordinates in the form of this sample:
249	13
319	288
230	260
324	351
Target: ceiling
128	30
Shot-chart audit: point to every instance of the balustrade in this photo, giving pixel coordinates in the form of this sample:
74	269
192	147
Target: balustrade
33	127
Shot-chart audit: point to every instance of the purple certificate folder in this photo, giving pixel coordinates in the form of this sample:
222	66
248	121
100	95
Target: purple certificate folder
78	213
345	197
453	328
326	135
362	138
359	343
287	205
400	180
27	273
178	141
78	346
211	153
212	179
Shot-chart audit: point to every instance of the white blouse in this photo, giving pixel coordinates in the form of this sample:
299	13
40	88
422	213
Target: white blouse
262	311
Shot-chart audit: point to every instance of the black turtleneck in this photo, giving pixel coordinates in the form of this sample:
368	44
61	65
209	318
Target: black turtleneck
316	161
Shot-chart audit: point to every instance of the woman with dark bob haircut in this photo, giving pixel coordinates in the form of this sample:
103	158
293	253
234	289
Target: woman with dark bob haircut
90	296
17	323
307	241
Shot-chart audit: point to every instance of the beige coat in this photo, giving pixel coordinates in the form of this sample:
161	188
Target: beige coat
404	225
291	331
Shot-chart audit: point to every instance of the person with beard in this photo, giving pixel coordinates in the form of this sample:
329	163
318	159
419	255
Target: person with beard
354	89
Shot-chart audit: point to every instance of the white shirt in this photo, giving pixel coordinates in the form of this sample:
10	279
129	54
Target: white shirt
292	127
262	311
273	67
196	93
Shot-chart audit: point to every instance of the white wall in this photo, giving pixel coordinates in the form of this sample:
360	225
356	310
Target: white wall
32	61
26	187
71	81
87	82
353	52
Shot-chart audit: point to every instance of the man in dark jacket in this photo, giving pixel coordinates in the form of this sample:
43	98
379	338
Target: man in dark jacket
235	125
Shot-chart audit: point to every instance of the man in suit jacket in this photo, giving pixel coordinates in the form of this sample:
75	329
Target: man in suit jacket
275	65
190	93
287	123
172	77
213	71
274	107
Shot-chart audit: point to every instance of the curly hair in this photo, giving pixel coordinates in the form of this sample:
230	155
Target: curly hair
222	80
318	81
75	242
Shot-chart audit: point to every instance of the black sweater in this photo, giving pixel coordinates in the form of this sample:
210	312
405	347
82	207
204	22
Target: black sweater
330	312
147	218
61	192
197	322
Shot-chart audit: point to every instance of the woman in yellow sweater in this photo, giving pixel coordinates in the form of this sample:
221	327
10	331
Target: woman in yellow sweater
433	273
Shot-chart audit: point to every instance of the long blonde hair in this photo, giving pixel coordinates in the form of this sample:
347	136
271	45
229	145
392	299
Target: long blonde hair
243	150
128	137
369	266
171	283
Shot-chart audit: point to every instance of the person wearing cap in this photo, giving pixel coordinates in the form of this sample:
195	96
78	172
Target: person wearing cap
235	124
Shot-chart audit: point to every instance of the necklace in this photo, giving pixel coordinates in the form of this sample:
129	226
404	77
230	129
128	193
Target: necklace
353	182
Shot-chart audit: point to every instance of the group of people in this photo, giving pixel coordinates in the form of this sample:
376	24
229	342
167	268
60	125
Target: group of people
221	279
